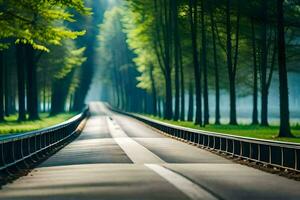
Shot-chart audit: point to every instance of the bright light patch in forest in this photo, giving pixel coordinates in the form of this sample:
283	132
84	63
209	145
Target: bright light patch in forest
112	2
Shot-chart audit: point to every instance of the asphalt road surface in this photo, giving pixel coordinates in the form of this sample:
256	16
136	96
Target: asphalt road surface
117	157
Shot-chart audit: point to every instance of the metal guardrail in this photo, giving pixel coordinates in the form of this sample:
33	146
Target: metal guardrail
278	154
20	151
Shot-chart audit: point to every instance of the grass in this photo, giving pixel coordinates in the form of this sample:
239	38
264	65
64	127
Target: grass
11	125
253	131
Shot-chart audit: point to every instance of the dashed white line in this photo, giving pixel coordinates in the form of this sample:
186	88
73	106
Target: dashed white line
186	186
136	152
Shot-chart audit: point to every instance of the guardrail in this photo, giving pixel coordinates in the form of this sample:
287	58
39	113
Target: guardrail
20	151
278	154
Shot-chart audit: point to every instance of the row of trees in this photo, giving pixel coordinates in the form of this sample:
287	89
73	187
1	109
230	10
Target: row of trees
196	47
118	72
39	57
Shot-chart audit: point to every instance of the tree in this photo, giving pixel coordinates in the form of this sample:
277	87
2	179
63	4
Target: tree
231	66
204	64
21	81
255	77
153	88
176	44
193	23
265	76
1	88
216	68
285	130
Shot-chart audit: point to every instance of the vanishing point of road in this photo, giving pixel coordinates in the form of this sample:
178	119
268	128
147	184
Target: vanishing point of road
117	157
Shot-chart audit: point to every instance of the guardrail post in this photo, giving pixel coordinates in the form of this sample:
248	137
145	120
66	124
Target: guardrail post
2	163
196	138
226	149
296	159
19	154
241	148
282	156
214	145
270	154
259	153
192	138
13	152
233	147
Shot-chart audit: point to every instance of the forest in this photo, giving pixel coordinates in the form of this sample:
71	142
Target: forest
149	99
46	56
177	60
174	59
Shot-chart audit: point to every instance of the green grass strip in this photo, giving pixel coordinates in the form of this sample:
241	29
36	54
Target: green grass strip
252	131
11	125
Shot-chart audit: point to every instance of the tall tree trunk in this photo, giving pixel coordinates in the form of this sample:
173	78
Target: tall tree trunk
255	88
128	94
193	23
264	66
7	100
168	102
163	109
191	103
154	95
123	91
204	66
176	58
216	71
159	107
32	93
21	81
44	88
285	130
70	102
117	82
182	91
145	107
49	101
230	66
60	90
44	99
168	69
1	87
13	102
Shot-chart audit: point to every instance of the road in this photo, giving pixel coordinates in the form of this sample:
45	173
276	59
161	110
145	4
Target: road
117	157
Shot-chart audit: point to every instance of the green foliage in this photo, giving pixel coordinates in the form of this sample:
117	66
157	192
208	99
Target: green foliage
39	23
139	25
112	42
74	58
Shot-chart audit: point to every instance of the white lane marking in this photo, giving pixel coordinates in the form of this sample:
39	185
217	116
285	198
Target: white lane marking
136	152
186	186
